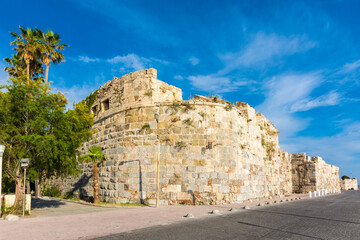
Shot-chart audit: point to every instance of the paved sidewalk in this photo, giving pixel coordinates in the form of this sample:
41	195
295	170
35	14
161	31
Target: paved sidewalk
110	221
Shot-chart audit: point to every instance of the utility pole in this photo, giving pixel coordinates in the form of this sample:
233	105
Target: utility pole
24	163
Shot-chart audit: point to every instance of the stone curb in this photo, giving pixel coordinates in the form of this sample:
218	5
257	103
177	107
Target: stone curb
91	204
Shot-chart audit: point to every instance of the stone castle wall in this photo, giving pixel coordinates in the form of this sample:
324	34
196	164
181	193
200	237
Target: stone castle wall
313	174
211	152
349	184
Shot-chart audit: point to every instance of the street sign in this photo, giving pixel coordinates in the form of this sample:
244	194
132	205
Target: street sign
24	162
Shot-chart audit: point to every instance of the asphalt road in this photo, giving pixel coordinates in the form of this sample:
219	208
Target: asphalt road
329	217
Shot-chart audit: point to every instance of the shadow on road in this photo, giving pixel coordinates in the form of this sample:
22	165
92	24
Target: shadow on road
41	203
278	230
304	216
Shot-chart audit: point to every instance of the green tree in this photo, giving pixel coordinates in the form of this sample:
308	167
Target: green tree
34	123
95	155
17	67
345	177
26	46
49	46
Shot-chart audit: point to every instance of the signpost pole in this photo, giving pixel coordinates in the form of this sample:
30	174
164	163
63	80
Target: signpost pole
2	149
24	163
24	191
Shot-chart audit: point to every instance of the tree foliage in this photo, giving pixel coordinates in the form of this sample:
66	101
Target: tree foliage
33	48
345	177
34	121
49	47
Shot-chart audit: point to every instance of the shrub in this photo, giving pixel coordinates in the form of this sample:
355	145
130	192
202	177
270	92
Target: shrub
187	107
180	145
51	191
228	106
69	195
174	108
145	127
188	122
148	93
175	119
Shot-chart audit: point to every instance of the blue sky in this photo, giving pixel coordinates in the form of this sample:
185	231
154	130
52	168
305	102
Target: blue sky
298	62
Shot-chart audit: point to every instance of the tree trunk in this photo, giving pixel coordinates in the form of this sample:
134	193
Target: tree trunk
28	70
37	187
19	192
96	184
47	73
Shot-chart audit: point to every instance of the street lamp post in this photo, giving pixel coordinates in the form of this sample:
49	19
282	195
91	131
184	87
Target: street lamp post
24	163
2	149
156	115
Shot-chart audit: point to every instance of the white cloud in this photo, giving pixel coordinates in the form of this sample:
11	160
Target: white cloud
178	77
325	100
263	49
194	61
211	83
290	93
76	93
87	59
131	61
349	67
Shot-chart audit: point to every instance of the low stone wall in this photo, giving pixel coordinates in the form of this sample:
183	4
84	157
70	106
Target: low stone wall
349	184
9	199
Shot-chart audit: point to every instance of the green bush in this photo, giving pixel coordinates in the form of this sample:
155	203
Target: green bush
69	195
51	191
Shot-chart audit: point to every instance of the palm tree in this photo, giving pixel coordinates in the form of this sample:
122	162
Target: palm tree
95	154
17	67
27	46
49	48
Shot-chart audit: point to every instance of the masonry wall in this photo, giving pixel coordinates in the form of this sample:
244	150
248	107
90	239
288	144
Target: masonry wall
313	174
327	176
349	184
303	173
211	152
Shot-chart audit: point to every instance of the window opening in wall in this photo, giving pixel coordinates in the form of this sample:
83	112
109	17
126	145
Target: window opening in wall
94	110
106	104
